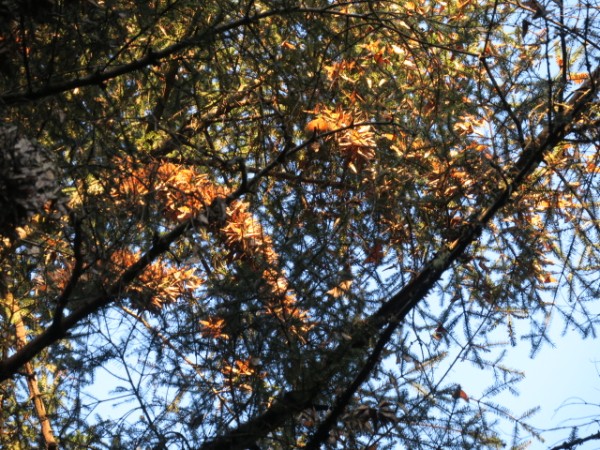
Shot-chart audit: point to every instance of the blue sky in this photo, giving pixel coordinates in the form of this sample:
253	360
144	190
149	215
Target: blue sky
564	381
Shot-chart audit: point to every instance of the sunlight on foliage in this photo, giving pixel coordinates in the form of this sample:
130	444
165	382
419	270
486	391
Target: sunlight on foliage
232	225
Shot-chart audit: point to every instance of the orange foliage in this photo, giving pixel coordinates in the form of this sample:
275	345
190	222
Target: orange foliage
356	144
320	125
579	77
241	371
246	241
185	192
459	393
213	328
239	368
159	284
340	69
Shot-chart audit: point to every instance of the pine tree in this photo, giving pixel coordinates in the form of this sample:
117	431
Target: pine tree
278	224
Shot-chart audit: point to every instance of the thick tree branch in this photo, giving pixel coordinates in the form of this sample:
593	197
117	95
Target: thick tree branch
152	58
60	328
16	315
394	310
61	302
569	445
308	68
533	154
322	433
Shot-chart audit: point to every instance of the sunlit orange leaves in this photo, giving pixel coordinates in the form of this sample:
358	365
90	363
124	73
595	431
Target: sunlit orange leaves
320	125
288	45
240	368
567	203
159	284
356	143
340	289
592	165
449	182
244	236
328	120
468	124
546	278
579	77
341	69
185	193
295	320
241	372
460	394
246	241
213	328
378	52
183	190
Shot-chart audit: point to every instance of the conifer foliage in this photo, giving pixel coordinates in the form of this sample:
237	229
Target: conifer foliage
274	224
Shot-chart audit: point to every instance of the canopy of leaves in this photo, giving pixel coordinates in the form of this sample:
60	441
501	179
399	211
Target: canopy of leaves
277	224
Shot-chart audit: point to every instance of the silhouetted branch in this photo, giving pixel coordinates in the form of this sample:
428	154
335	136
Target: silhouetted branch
575	442
151	58
394	310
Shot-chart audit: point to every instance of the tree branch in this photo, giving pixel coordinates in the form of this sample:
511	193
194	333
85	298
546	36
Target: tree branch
575	442
58	330
151	58
394	310
61	302
14	311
